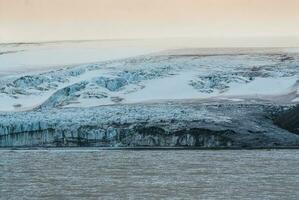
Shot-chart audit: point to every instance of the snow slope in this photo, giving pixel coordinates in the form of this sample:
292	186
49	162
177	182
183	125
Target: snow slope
15	58
175	75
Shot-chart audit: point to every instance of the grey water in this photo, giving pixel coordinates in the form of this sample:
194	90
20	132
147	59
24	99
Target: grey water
149	174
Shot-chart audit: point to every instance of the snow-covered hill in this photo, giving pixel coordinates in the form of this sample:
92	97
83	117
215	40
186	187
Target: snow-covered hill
174	75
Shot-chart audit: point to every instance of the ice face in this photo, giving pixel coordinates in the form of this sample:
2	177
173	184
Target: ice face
167	125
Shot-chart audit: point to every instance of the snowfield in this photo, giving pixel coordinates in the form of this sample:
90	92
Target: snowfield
21	58
190	74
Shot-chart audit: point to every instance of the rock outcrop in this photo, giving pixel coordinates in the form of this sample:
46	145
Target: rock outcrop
289	120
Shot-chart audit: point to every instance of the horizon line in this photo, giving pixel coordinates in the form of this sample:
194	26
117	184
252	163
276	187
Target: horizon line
149	38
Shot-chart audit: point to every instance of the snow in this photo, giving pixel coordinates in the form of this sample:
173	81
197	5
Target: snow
24	58
291	50
173	87
38	57
151	78
296	99
263	86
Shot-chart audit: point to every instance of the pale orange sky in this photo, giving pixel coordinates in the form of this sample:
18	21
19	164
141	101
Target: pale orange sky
44	20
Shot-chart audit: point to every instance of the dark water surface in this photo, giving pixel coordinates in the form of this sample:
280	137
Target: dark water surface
160	174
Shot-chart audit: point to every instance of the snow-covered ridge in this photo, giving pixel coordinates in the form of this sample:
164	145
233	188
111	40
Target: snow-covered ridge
154	78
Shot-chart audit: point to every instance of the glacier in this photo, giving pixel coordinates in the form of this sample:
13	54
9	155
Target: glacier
185	97
153	125
149	78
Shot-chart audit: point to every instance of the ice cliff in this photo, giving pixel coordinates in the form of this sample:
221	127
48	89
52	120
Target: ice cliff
172	124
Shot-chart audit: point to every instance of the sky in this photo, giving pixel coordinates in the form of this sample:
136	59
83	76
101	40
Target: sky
50	20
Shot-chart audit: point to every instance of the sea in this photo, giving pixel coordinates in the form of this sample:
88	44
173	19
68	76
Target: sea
90	173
